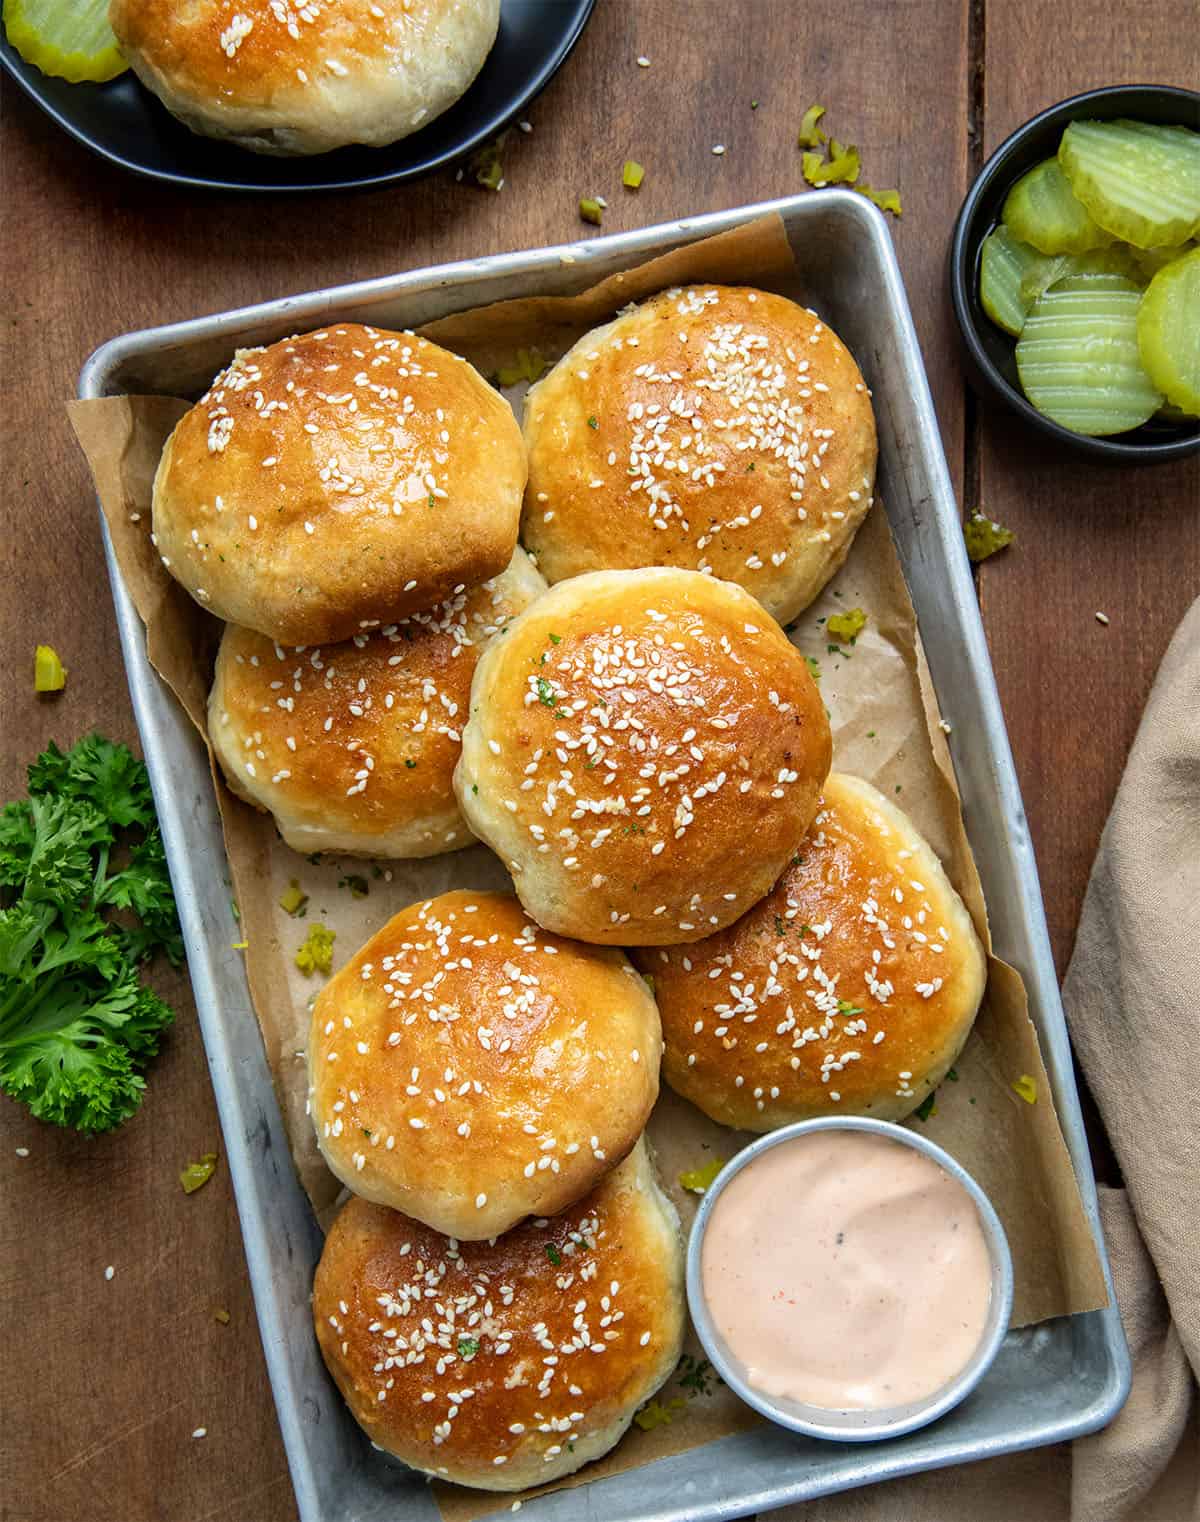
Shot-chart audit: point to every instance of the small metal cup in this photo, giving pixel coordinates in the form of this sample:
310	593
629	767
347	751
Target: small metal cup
855	1426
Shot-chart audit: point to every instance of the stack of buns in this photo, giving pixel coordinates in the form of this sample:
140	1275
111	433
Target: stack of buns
648	755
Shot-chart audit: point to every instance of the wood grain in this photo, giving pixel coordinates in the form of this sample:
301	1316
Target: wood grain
105	1381
1121	541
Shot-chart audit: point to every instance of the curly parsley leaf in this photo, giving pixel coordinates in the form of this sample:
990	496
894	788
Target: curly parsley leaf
84	899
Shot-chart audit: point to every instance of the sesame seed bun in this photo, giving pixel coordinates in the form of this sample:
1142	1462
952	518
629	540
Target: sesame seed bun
508	1363
644	750
352	747
289	77
849	990
336	481
714	428
470	1069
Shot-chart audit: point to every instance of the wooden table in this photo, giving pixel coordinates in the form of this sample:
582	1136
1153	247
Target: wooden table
104	1382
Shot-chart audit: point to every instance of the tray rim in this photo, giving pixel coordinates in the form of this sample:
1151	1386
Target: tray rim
106	362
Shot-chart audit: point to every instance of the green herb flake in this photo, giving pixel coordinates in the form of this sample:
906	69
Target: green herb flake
554	1255
696	1375
985	537
555	639
846	1008
467	1348
813	667
357	884
952	1075
697	1180
195	1175
545	692
846	627
592	423
410	765
927	1108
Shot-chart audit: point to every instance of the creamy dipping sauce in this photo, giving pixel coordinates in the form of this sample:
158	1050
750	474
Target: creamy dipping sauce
847	1271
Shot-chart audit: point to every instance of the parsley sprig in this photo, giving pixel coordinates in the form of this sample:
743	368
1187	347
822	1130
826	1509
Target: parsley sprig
85	898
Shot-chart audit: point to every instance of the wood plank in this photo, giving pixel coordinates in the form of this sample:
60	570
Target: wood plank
105	1381
1122	541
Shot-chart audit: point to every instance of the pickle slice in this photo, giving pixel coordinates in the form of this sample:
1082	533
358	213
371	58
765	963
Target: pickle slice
1150	260
1168	331
69	39
1140	181
1042	210
1011	278
1078	356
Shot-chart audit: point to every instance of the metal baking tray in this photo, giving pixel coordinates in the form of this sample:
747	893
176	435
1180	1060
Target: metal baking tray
1050	1382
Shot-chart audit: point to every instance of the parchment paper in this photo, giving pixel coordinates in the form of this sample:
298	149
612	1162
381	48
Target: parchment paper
886	729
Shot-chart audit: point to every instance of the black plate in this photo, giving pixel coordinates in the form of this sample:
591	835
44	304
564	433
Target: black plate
125	124
990	352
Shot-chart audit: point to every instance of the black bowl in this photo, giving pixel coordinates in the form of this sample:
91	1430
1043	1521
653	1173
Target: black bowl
990	352
125	124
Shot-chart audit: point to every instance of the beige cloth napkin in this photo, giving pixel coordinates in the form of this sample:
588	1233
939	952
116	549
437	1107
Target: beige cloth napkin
1132	995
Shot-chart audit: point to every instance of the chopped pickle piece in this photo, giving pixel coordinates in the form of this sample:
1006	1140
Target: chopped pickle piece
1150	260
886	200
49	673
1041	210
69	39
811	135
527	366
841	168
846	627
1026	1087
985	537
196	1175
1168	332
485	165
1139	180
699	1179
293	899
221	1315
1005	264
591	210
632	175
316	954
658	1413
1078	356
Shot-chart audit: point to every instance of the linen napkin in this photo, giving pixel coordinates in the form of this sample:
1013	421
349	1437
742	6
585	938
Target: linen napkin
1132	997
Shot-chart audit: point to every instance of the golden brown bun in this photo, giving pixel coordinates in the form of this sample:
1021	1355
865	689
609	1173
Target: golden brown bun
304	76
470	1070
335	482
352	747
713	428
509	1363
849	990
644	750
